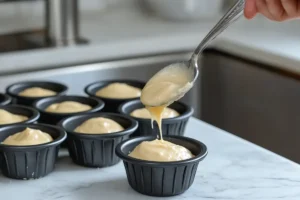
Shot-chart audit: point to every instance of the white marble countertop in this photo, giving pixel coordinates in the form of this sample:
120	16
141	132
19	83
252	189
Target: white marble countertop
127	32
233	169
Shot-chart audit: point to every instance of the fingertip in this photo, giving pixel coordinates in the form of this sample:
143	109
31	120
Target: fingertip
249	15
250	9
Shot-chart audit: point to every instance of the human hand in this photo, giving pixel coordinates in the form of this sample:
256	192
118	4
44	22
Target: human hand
276	10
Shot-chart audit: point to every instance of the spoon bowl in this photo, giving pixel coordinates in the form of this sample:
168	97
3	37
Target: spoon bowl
168	85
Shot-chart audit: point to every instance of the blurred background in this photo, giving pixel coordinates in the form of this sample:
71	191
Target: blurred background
249	83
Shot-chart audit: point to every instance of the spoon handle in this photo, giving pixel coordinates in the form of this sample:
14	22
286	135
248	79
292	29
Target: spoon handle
231	16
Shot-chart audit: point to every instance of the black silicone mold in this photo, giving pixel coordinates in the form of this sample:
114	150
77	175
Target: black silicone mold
170	126
29	162
161	178
111	105
14	90
54	118
32	114
5	99
96	150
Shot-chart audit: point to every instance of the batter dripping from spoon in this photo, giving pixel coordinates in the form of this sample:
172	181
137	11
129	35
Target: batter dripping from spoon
165	87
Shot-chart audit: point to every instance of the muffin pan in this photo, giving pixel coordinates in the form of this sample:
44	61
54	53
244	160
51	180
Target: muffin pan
14	90
96	150
111	105
31	113
54	118
29	162
5	99
170	126
161	179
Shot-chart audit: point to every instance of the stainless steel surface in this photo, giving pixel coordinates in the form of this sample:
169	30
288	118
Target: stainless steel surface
61	29
62	23
231	16
77	77
252	101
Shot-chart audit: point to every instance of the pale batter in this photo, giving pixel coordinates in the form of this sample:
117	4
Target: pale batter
10	118
119	91
28	137
167	86
37	92
156	114
160	151
68	107
144	113
99	125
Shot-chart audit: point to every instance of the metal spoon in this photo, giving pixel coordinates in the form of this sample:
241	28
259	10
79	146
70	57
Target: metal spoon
192	65
231	16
